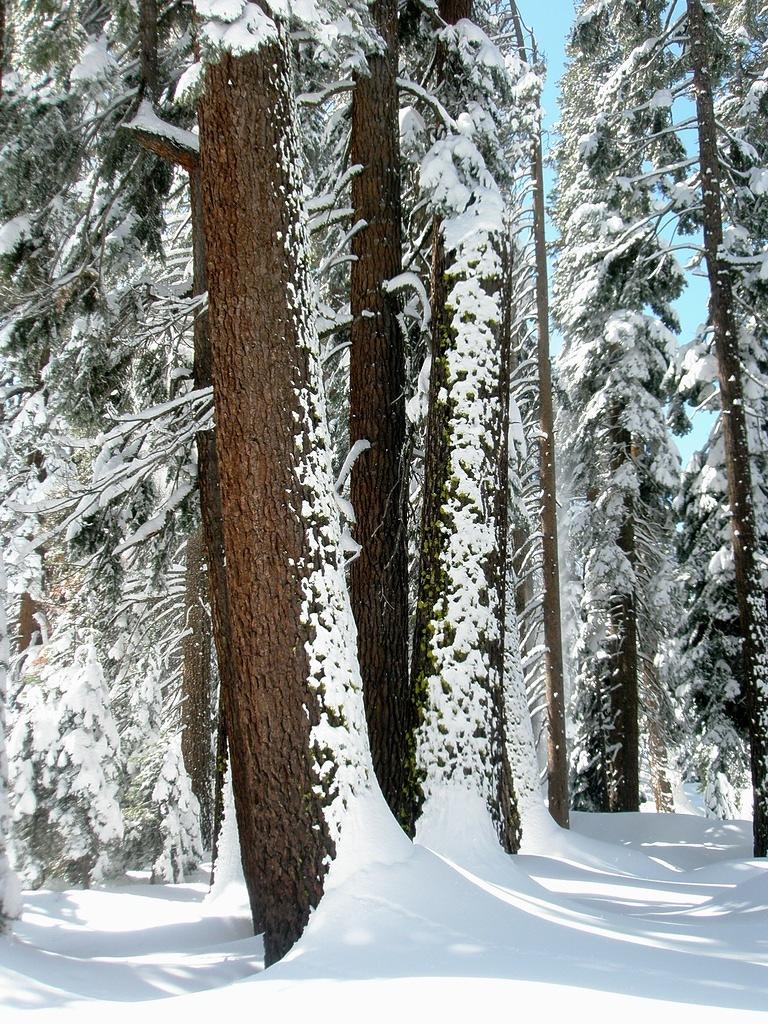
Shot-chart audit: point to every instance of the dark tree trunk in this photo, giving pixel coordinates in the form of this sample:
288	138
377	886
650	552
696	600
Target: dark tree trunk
219	775
148	42
210	503
28	624
2	44
625	693
196	683
623	735
259	309
379	576
749	593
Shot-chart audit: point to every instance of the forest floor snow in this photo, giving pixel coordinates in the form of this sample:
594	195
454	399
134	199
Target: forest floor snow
631	917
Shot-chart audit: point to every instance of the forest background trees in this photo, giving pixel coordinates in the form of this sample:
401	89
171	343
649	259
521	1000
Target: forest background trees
277	436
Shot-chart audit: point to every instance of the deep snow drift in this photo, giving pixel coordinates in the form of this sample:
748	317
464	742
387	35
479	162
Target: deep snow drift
628	918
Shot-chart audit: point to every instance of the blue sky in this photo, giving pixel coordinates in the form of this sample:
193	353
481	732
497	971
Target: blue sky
551	21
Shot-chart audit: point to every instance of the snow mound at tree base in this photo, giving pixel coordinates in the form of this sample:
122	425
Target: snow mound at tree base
577	926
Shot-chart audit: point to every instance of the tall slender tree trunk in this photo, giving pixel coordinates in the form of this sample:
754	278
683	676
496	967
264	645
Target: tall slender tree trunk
3	27
658	757
554	679
379	576
750	596
210	505
294	675
625	695
196	683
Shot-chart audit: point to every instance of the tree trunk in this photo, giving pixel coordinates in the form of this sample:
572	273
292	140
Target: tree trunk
557	752
379	576
750	596
286	712
458	651
2	44
626	690
219	775
28	624
148	41
210	495
657	751
624	734
196	683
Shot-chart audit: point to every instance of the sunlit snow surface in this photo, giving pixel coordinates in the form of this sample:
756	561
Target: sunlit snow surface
628	918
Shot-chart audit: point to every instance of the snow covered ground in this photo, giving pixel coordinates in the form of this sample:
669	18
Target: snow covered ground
628	918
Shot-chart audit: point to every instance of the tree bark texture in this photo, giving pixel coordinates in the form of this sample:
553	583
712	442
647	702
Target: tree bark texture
625	691
751	599
219	776
554	679
379	576
196	683
210	495
148	43
258	308
28	624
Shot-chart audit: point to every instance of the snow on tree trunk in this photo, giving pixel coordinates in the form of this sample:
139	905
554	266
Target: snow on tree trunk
458	646
295	719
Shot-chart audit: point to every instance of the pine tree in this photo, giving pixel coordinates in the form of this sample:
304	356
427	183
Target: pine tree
557	755
615	280
379	575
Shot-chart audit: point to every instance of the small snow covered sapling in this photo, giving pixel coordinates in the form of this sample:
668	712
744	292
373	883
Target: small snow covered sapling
9	887
65	763
182	848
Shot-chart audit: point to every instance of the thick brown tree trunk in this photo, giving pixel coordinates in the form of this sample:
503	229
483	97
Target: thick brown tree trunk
554	680
379	576
258	318
196	683
749	593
